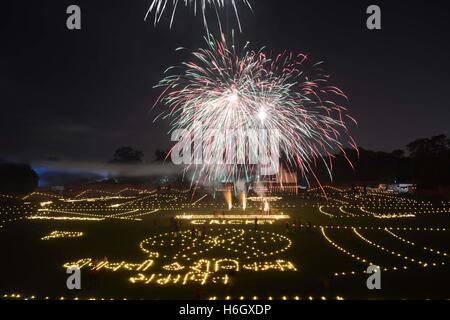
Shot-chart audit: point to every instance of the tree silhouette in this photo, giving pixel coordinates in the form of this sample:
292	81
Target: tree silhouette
17	179
436	145
431	160
127	155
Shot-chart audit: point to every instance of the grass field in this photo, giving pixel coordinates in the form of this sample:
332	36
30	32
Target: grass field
127	245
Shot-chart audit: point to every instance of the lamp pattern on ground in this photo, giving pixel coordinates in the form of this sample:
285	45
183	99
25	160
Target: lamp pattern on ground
346	203
232	244
410	261
182	258
17	296
269	298
62	234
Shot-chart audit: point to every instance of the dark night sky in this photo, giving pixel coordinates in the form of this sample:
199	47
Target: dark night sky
79	95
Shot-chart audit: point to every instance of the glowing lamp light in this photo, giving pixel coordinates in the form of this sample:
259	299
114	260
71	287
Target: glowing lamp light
233	97
262	115
266	206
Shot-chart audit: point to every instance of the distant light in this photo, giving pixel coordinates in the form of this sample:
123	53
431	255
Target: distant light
262	115
233	97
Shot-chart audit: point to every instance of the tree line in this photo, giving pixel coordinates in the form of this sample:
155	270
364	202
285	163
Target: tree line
425	162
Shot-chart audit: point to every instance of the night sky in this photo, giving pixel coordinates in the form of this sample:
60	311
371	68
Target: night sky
79	95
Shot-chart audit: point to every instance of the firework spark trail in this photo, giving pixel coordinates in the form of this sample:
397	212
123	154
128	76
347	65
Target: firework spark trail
222	89
160	6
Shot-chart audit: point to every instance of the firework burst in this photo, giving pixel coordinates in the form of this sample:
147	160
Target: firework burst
221	89
158	7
